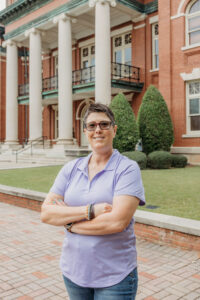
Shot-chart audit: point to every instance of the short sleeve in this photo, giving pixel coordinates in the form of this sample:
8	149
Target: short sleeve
129	182
61	181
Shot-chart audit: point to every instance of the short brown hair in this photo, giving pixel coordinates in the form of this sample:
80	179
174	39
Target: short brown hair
99	108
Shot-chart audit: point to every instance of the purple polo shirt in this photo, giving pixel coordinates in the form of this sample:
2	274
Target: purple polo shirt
99	261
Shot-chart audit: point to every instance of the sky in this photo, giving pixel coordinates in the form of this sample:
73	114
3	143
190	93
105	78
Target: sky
2	4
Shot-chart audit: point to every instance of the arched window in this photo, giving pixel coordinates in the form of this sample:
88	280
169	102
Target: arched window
193	23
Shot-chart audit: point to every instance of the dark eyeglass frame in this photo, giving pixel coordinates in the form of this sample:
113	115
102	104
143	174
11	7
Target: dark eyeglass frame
100	124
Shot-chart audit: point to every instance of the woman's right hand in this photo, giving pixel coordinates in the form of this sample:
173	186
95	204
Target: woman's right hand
101	208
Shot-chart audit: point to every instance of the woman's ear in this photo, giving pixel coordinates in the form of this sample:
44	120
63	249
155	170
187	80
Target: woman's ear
115	129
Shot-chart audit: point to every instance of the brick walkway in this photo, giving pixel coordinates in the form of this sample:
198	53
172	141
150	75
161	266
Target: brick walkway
29	256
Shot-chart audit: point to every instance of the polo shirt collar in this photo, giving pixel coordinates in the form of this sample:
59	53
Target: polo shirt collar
83	166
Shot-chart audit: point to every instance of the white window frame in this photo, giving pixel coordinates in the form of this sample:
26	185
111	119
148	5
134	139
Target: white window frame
155	37
122	47
89	57
188	16
188	115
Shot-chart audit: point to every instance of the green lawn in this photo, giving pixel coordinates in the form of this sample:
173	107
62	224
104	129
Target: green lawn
176	191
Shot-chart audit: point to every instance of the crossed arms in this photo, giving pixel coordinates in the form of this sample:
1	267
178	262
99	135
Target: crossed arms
108	219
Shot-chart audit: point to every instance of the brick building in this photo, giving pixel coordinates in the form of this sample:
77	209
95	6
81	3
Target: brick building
93	50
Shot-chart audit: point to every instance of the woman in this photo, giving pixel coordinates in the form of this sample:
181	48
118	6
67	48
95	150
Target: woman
95	198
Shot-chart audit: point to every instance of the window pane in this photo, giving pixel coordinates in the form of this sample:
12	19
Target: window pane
194	106
92	61
195	123
194	23
156	62
85	64
128	60
194	88
194	37
118	57
195	7
156	46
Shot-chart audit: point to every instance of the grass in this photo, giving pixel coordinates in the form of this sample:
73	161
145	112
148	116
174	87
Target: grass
175	191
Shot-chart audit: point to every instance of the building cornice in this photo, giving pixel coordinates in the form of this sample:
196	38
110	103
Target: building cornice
143	8
19	9
65	8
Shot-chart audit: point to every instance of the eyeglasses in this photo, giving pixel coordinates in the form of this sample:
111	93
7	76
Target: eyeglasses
104	125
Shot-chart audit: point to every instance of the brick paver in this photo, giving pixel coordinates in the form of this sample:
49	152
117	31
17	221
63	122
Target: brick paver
29	262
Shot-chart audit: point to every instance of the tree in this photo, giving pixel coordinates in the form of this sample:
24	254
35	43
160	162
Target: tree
127	132
154	122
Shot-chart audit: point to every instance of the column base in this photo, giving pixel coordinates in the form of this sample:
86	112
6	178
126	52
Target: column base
65	142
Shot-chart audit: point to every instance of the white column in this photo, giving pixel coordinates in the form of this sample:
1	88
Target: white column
35	84
65	114
102	50
11	93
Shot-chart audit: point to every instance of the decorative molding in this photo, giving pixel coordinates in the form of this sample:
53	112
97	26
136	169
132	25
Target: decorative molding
154	70
121	30
140	18
112	3
11	43
81	105
180	6
177	16
34	31
19	9
190	47
192	135
191	76
45	18
186	150
153	19
139	26
86	43
64	17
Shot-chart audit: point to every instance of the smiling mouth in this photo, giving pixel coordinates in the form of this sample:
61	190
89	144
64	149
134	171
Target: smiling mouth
98	138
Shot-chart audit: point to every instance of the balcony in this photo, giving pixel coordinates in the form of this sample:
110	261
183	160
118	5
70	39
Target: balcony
122	76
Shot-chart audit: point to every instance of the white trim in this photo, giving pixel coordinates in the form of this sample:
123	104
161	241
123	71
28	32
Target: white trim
177	16
45	57
195	74
186	150
121	30
190	47
180	7
86	43
153	70
153	19
140	18
55	53
139	26
188	115
197	135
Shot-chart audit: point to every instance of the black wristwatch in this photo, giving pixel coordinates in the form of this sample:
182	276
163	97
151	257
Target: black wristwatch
68	226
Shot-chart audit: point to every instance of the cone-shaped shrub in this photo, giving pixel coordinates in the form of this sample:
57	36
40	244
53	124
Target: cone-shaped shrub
127	131
154	122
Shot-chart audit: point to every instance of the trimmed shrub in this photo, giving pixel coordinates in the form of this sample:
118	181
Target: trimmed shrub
179	161
159	160
127	130
139	157
154	122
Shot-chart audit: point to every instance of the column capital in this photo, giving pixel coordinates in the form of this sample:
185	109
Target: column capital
11	43
34	31
64	17
112	3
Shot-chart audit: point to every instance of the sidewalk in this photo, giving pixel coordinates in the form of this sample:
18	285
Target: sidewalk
29	262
